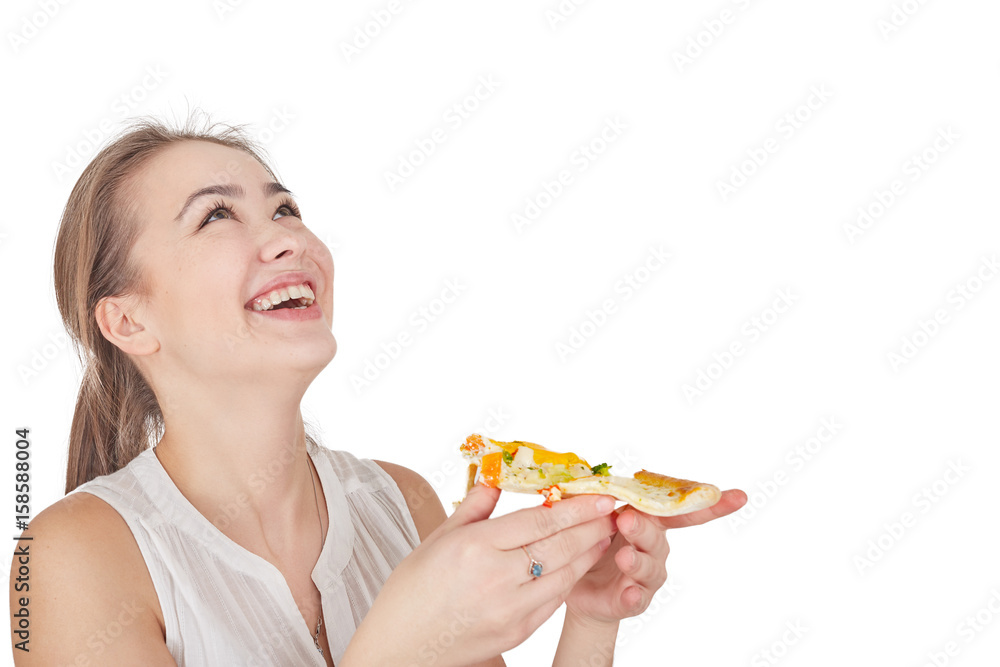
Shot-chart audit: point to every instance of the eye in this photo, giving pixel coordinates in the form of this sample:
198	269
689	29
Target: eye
287	208
218	211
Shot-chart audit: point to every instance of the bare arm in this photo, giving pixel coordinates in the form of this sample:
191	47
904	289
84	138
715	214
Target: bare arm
87	590
585	643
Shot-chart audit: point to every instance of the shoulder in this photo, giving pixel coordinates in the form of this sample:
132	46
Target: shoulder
424	505
81	571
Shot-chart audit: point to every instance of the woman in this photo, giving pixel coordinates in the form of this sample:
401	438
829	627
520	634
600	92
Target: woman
202	307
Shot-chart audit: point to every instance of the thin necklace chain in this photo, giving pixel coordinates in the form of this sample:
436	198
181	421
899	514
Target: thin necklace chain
319	515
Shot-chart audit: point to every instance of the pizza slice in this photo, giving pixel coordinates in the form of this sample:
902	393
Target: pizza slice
525	467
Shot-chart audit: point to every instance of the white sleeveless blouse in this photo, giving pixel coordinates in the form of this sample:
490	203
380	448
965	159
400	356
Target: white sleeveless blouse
223	605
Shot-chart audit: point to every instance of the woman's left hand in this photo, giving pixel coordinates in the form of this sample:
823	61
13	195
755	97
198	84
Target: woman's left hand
623	581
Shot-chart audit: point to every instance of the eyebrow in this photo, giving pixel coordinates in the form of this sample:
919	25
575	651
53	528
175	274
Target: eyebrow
230	190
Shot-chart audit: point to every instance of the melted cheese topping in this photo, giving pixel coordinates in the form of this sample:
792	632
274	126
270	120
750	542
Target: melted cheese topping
476	446
530	468
678	488
542	455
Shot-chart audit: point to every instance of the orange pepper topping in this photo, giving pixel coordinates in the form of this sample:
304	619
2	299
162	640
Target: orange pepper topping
490	467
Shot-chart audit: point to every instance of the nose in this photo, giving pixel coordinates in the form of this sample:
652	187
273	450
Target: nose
281	240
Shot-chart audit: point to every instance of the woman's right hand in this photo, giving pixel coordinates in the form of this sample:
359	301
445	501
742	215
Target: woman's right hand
465	593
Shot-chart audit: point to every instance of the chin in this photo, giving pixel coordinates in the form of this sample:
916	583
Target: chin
301	369
302	358
316	355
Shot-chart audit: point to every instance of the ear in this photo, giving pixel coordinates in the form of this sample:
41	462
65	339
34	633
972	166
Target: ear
117	317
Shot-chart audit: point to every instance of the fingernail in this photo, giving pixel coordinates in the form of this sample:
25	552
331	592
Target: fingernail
605	504
604	544
631	559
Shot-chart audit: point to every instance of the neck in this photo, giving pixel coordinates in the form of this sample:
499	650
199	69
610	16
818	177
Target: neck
239	456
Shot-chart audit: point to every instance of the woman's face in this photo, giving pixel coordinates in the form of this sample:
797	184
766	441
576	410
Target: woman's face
224	253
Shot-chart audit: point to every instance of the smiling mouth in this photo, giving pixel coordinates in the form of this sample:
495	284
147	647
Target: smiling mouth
296	297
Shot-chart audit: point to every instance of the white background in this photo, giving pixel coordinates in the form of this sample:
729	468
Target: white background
818	550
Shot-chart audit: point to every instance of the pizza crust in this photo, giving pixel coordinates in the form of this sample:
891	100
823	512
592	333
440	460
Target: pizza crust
656	500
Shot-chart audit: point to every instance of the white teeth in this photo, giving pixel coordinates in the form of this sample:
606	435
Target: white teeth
269	301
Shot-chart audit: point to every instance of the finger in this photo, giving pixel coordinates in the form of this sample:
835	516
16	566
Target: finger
556	585
479	503
536	523
567	545
632	601
643	569
731	500
643	532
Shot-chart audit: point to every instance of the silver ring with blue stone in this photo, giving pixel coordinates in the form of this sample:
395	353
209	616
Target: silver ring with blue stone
534	568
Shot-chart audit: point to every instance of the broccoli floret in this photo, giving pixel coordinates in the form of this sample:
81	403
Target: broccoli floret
601	469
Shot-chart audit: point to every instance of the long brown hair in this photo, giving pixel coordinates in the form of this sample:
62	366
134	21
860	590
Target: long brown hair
117	415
